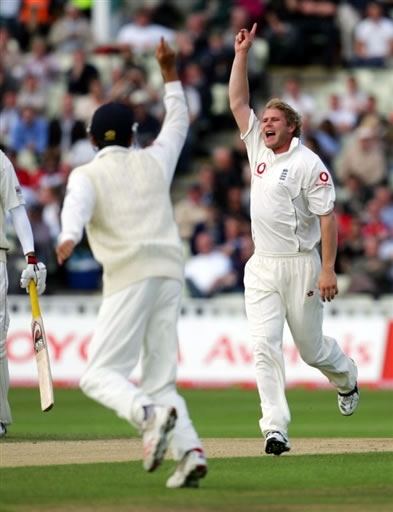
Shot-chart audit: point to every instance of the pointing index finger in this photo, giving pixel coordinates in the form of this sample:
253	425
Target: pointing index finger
253	30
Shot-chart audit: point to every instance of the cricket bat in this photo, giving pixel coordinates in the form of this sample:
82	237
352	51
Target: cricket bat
41	351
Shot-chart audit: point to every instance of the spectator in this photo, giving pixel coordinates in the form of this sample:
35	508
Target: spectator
342	119
239	17
82	150
34	20
148	125
349	13
282	38
194	79
351	247
9	116
63	129
363	157
186	51
234	203
294	95
32	93
28	179
227	174
209	271
217	59
81	73
328	140
51	167
9	12
189	212
354	99
40	63
50	196
127	80
30	133
86	105
240	258
10	55
316	22
141	34
196	26
213	225
373	38
369	274
370	117
384	196
353	195
373	225
206	178
71	31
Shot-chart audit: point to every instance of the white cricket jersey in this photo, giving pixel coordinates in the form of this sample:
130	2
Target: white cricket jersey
288	192
10	197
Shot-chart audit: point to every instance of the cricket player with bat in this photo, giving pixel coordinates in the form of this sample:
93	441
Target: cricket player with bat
11	200
292	200
123	198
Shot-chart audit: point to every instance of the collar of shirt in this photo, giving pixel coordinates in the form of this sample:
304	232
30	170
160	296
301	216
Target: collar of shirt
111	149
295	142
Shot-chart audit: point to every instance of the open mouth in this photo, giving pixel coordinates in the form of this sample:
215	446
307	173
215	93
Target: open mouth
269	134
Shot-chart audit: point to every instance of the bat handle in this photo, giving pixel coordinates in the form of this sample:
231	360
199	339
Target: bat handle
35	305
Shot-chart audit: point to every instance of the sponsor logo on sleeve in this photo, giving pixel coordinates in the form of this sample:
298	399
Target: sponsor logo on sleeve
323	180
260	169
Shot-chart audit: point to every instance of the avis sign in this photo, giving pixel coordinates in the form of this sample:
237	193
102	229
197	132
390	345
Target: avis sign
212	350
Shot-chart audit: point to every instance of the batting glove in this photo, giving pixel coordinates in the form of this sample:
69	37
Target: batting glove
34	271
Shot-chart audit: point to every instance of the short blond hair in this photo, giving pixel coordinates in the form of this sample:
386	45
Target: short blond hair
291	116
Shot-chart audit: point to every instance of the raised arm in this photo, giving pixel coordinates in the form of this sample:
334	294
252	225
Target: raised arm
239	96
169	143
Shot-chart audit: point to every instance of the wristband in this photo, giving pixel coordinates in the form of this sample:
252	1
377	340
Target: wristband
32	260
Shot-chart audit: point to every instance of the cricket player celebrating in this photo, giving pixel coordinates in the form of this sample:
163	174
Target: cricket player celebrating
11	199
123	199
292	200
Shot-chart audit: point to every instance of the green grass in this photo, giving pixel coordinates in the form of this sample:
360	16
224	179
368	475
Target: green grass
216	413
232	485
313	483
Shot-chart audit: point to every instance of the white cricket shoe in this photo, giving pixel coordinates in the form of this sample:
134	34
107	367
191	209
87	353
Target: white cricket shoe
347	402
191	468
155	435
276	442
3	429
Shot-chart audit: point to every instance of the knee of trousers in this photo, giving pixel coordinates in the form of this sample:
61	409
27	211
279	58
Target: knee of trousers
313	359
262	350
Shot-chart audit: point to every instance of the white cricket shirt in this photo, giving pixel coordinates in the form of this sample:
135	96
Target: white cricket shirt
10	197
288	192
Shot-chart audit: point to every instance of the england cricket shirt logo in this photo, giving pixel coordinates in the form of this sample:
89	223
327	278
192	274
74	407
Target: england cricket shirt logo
284	174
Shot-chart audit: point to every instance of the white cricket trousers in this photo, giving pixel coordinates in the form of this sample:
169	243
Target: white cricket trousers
279	288
5	411
140	322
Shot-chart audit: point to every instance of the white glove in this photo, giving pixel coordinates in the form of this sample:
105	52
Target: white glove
35	271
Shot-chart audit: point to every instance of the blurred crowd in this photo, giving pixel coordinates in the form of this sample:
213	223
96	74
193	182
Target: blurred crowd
54	74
